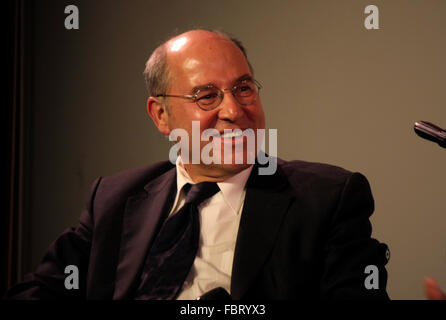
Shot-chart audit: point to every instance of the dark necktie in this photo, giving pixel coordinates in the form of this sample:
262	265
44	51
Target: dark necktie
172	254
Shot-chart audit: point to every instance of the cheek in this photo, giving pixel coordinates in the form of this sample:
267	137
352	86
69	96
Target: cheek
207	119
182	116
207	122
257	115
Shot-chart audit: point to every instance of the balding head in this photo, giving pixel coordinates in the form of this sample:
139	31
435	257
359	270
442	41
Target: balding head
157	74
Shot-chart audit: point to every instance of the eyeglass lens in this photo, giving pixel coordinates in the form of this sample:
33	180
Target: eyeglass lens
245	93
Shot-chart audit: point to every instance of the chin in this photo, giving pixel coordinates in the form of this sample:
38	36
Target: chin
233	168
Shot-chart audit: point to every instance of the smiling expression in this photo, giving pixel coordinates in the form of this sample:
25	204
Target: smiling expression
196	59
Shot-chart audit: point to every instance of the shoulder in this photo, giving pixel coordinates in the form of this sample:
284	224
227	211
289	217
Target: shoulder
134	175
130	181
335	191
315	176
307	172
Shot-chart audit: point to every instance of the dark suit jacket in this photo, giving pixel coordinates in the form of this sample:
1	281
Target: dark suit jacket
304	233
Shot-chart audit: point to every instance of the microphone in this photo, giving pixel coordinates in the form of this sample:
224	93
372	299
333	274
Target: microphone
431	132
216	294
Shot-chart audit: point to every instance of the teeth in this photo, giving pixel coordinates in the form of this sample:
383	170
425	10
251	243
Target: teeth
232	134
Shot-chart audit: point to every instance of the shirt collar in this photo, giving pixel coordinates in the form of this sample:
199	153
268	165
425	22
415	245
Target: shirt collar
231	189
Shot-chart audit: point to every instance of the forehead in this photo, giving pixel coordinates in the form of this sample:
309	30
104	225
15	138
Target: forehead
198	60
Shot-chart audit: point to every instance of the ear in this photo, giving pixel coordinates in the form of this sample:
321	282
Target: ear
158	114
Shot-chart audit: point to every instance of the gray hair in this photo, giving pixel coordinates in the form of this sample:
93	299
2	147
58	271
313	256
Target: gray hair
157	75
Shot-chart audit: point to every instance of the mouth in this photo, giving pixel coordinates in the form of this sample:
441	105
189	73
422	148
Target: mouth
230	133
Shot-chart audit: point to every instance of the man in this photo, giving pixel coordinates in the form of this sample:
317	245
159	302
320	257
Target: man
301	232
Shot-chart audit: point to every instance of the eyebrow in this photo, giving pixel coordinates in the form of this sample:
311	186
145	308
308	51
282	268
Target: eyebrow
205	86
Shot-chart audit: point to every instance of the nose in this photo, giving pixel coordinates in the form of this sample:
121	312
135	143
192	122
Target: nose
230	108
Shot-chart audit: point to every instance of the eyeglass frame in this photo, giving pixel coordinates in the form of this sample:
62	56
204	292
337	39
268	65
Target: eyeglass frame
194	97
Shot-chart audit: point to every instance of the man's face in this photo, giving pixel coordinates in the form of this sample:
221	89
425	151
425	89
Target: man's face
198	59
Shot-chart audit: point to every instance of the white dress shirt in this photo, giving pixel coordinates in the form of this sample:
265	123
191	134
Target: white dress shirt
219	222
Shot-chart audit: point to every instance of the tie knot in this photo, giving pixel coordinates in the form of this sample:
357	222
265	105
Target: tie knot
201	191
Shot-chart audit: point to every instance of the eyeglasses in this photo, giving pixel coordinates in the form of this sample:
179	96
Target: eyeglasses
210	97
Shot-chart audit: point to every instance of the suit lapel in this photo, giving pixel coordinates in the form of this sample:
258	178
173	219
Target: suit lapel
263	211
142	215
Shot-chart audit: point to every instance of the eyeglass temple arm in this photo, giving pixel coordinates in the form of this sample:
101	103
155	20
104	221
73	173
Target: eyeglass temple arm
187	96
